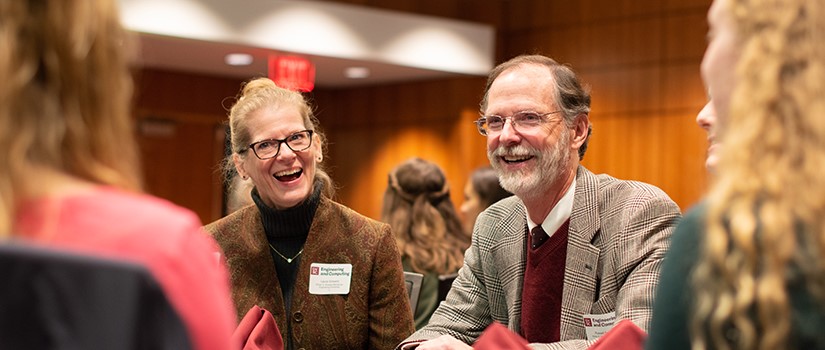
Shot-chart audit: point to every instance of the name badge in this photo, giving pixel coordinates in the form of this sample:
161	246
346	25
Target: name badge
326	279
597	325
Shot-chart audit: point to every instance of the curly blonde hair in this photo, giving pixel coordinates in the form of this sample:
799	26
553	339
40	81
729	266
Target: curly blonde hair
427	229
766	209
64	101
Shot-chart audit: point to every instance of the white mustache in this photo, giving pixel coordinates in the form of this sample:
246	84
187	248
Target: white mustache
515	151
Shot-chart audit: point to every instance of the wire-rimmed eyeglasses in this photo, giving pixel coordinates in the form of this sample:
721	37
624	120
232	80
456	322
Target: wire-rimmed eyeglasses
270	148
525	120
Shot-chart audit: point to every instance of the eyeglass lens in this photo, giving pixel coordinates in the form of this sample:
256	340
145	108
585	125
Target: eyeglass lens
296	142
524	120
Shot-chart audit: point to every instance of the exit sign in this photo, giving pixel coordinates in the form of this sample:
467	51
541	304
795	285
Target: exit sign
292	72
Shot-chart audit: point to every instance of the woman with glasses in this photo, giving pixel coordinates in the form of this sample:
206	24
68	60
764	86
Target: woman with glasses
331	277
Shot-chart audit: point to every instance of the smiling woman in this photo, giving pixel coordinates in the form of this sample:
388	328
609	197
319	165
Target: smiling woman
747	264
295	227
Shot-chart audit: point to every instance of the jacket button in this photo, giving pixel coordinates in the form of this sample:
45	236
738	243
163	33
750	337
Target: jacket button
298	317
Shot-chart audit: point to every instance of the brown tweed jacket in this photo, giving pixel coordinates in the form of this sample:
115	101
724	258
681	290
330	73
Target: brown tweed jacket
619	233
374	315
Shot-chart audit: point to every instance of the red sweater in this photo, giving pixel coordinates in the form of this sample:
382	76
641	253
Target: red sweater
543	285
164	238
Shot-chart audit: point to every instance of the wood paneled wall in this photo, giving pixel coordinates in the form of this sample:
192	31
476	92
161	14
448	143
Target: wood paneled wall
371	130
640	57
180	153
180	125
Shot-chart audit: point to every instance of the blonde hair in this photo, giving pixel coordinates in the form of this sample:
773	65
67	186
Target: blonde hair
64	100
259	93
766	210
427	229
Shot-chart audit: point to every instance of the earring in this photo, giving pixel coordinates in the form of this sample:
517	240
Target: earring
320	159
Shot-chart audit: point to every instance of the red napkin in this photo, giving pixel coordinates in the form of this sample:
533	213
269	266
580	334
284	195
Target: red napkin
625	335
258	331
497	337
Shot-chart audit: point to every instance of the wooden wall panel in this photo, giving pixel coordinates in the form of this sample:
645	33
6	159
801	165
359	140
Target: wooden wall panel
691	5
682	88
185	93
651	148
684	35
180	132
640	57
617	43
179	157
431	120
632	89
601	10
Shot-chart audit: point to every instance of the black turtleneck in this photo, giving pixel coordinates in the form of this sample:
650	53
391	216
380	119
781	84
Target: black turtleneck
286	231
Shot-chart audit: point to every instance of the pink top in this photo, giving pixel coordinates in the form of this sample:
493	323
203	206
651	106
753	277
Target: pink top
165	238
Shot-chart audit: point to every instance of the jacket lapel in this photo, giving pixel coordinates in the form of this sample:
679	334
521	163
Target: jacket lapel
254	279
509	255
580	275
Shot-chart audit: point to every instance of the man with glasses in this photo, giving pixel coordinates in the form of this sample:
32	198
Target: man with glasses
572	252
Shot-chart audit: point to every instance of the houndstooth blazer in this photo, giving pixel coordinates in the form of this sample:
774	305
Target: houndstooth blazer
619	233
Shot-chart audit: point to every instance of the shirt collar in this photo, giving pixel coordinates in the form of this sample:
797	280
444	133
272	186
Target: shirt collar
560	213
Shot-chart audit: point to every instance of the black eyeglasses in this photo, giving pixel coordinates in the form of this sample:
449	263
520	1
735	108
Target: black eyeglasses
270	148
525	120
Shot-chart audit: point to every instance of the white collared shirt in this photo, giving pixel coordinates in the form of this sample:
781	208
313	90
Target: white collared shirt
560	213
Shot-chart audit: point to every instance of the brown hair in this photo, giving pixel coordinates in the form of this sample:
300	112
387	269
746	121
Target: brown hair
64	104
427	229
485	182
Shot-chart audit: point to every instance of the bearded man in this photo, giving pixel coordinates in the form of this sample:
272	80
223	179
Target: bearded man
572	252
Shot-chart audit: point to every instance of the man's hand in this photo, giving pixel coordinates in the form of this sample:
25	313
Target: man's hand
444	342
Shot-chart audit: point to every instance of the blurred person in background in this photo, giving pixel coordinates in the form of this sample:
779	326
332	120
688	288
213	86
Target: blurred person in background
481	191
69	173
330	276
427	229
750	269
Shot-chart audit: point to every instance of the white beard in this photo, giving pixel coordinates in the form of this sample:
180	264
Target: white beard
532	182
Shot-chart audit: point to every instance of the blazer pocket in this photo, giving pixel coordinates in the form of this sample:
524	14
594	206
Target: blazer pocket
604	305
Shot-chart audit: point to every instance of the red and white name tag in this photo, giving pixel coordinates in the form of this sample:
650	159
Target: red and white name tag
597	325
327	279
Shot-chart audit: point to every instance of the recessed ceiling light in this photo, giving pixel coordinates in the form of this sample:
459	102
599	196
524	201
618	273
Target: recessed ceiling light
357	72
238	59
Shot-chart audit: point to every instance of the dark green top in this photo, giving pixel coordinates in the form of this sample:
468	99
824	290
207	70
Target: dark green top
671	310
428	299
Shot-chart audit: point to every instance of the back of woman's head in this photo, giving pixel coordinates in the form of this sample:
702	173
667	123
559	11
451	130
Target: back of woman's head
485	182
64	100
766	211
418	207
263	92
